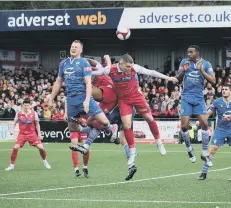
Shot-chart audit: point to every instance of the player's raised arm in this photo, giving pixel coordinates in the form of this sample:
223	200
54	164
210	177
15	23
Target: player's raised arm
207	71
184	65
108	60
153	73
92	62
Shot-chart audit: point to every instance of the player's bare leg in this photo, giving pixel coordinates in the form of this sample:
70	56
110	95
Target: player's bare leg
205	137
126	120
155	132
43	155
97	94
185	134
13	157
212	151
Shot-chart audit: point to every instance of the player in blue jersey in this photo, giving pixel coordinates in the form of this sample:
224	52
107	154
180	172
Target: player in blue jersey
76	73
194	70
222	108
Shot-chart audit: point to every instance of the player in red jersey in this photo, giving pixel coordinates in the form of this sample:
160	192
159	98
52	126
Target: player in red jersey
29	131
123	76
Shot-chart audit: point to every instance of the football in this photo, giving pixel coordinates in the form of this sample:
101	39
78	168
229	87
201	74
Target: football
123	33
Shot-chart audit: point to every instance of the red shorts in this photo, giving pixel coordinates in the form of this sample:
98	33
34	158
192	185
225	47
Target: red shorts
109	94
107	107
136	100
33	139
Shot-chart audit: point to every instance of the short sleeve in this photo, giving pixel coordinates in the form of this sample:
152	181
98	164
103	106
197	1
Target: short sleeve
209	69
181	66
86	68
213	107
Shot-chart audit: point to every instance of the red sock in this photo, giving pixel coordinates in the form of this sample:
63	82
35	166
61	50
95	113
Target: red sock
75	159
129	137
154	129
13	155
86	158
43	153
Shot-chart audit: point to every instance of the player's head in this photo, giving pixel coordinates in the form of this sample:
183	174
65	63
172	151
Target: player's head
76	49
194	52
226	91
26	104
126	63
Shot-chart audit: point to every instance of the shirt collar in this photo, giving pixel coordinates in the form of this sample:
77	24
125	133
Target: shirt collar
118	68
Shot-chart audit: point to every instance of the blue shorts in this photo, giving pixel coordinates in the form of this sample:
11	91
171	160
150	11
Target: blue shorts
75	106
189	109
219	137
114	117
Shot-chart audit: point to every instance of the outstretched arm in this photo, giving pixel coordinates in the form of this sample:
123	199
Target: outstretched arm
153	73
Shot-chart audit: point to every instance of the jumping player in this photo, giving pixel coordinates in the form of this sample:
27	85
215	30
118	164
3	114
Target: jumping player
195	71
76	72
29	131
123	76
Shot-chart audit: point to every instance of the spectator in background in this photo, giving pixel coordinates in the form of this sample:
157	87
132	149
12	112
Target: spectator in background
46	112
167	65
58	115
156	112
209	89
39	111
169	112
2	111
217	72
219	82
164	104
219	91
9	112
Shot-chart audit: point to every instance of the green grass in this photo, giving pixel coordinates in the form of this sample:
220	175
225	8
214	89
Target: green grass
109	167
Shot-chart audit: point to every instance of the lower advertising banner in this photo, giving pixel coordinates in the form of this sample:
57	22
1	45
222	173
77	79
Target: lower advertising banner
167	131
57	131
5	131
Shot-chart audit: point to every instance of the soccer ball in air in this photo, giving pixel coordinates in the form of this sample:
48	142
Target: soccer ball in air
123	33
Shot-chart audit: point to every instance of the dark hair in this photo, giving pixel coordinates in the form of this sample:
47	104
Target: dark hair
127	59
26	101
197	48
227	85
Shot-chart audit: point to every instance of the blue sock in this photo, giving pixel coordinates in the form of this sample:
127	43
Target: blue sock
107	129
92	134
127	151
205	142
86	130
186	139
205	166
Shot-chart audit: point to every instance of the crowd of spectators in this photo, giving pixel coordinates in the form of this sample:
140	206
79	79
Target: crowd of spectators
164	98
